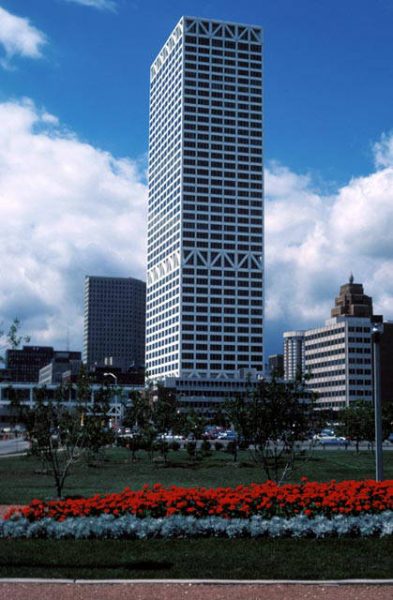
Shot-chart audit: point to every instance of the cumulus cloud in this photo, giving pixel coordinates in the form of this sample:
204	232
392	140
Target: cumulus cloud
68	209
19	37
314	242
99	4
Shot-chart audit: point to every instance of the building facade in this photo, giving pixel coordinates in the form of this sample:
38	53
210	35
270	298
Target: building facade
114	322
53	372
293	354
338	356
23	365
275	365
25	392
205	216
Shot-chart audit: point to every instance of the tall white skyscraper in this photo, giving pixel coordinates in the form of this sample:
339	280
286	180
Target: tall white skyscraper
205	221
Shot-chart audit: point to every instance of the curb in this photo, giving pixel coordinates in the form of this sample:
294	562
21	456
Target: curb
226	582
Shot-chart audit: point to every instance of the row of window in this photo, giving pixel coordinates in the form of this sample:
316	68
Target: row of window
322	334
218	57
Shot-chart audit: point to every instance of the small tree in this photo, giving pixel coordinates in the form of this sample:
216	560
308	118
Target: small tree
64	432
357	422
11	339
137	416
57	435
274	419
97	433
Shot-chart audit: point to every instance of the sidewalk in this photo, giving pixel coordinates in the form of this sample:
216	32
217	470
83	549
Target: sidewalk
192	591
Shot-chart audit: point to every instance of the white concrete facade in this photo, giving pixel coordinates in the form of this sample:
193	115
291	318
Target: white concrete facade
293	354
205	217
339	358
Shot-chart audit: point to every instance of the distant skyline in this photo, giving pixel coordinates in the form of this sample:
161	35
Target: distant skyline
74	87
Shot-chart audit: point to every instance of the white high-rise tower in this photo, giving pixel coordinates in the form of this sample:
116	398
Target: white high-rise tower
205	223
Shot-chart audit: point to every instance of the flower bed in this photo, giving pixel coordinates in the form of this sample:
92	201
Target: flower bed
268	500
131	527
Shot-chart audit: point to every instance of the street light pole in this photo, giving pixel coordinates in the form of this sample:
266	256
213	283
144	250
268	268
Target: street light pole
115	380
376	338
111	375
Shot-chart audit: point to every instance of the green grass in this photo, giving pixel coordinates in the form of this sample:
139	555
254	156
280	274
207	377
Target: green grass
203	558
21	479
206	558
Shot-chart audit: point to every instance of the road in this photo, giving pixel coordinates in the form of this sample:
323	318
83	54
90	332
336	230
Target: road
13	446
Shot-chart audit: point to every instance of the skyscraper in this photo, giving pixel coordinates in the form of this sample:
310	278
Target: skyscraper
205	218
114	327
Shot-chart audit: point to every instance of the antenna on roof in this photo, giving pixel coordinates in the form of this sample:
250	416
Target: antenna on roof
351	279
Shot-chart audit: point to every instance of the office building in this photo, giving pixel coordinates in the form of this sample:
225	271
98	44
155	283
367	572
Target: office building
205	215
293	354
23	365
53	372
26	394
275	365
338	356
114	327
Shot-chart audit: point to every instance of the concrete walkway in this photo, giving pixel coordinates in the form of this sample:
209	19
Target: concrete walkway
191	590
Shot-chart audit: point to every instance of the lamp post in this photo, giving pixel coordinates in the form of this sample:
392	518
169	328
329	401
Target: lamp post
111	375
377	330
116	424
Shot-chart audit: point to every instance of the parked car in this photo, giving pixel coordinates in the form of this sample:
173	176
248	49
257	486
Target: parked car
229	435
330	439
169	437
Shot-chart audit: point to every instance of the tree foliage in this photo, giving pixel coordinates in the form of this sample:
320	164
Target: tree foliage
11	339
63	432
274	418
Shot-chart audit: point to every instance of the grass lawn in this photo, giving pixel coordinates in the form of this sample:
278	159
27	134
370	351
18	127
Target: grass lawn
204	558
21	478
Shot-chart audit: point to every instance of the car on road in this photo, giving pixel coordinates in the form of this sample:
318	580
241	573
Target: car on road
169	437
330	439
229	436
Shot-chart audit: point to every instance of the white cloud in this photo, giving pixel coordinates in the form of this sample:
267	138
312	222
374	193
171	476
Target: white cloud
383	151
314	242
99	4
19	37
68	209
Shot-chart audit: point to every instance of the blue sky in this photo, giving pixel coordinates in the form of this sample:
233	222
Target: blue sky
74	81
328	73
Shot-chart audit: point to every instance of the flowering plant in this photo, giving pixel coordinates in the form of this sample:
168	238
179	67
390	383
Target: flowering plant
267	500
128	526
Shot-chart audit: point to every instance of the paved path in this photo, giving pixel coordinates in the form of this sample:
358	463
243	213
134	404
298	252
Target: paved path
191	591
